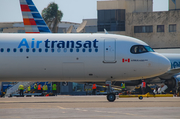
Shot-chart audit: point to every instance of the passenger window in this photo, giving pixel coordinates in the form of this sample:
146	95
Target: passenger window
84	50
14	49
77	50
65	50
2	49
46	50
59	50
90	50
34	50
8	50
21	50
27	50
40	50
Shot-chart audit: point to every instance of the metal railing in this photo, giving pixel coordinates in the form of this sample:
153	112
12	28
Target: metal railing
14	89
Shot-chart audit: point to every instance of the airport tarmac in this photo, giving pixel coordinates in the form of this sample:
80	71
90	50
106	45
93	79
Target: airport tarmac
89	107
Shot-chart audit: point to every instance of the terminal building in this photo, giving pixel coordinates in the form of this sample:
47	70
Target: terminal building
87	26
136	18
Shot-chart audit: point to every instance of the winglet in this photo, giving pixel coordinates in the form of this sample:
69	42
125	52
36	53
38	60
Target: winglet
105	31
33	21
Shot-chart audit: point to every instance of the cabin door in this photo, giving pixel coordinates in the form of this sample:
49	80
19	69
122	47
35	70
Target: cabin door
109	51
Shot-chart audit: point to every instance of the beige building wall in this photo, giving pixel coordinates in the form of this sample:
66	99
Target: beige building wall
155	39
139	6
128	5
105	5
13	30
172	6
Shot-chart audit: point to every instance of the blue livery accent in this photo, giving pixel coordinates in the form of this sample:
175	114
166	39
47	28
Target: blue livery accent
44	29
40	22
60	44
29	2
33	9
36	15
175	64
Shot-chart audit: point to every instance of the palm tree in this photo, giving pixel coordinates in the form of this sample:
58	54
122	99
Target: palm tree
52	16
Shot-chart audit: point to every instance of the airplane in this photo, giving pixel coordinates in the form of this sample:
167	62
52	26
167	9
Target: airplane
171	78
46	56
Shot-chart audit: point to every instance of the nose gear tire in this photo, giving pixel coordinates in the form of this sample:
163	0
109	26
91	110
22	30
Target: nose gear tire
111	97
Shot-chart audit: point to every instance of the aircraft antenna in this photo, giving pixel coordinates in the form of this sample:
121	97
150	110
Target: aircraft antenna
105	31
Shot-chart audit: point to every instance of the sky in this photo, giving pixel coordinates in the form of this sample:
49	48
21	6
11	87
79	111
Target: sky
73	10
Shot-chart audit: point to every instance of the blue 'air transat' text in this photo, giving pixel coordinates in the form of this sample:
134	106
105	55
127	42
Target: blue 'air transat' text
58	44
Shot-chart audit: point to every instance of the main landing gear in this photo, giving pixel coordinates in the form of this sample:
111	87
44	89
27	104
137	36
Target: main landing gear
111	97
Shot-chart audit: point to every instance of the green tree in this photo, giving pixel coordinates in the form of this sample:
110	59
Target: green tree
52	16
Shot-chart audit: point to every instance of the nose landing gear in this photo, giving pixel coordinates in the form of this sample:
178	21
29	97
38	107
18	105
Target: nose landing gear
111	97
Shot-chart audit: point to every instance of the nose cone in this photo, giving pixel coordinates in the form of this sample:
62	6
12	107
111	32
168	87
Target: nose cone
164	64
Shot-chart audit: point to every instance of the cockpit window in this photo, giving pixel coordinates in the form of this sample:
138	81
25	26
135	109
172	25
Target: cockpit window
136	49
149	49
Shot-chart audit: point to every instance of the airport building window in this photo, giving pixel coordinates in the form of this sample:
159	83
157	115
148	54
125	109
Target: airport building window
1	30
143	29
21	31
8	50
111	20
71	50
172	28
14	49
160	28
96	50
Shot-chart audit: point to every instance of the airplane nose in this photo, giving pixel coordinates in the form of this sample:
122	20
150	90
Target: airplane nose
164	64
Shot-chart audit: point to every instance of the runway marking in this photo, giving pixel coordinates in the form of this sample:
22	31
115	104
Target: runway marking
61	107
113	112
129	114
84	110
107	112
77	109
8	117
99	111
135	115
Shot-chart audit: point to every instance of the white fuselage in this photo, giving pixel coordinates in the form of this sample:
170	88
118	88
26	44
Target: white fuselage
76	58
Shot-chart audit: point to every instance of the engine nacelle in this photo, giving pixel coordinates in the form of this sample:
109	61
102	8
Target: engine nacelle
173	83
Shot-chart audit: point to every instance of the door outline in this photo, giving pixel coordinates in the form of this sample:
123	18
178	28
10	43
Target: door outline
109	51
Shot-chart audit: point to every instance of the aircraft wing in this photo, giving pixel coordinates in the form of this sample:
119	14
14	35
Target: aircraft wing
170	73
